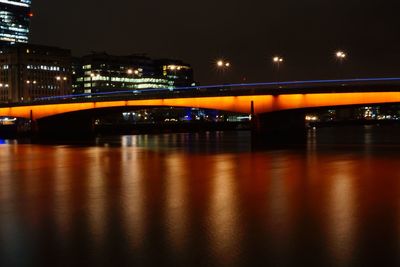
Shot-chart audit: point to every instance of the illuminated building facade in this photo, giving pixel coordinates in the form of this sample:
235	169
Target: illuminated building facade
177	72
100	72
29	72
14	21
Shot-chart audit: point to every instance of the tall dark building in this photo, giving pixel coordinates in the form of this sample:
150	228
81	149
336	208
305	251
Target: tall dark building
14	21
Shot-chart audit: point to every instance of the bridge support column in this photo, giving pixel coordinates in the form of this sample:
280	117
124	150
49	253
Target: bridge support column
33	125
283	127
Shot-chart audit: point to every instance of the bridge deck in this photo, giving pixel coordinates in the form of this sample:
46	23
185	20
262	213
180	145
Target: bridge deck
235	98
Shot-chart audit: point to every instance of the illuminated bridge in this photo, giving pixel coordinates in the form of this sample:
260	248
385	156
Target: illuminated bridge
288	100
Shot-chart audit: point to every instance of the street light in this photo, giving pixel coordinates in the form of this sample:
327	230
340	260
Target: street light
223	65
340	56
60	80
277	60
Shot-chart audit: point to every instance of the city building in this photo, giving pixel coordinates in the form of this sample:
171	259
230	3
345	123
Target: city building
178	73
100	72
14	21
29	72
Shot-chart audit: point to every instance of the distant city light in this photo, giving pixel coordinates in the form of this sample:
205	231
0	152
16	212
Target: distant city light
311	118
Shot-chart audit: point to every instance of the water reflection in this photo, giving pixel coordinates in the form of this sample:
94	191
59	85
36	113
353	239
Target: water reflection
176	202
62	193
96	175
133	196
163	201
342	211
225	229
278	204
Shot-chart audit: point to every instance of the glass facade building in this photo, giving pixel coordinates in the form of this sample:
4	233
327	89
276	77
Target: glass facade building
100	72
14	21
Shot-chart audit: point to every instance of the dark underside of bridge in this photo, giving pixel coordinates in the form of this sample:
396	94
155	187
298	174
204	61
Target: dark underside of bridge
74	125
281	127
270	128
82	124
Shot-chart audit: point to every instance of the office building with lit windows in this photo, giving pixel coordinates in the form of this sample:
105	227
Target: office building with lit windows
100	72
30	72
177	72
14	21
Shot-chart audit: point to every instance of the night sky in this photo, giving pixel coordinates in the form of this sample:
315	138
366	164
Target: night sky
248	33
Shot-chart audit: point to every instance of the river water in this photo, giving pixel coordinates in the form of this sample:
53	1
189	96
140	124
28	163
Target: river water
208	199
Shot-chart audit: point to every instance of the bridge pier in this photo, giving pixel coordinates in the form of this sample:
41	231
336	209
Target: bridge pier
280	128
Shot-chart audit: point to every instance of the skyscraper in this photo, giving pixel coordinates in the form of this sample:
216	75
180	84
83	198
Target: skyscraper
14	21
